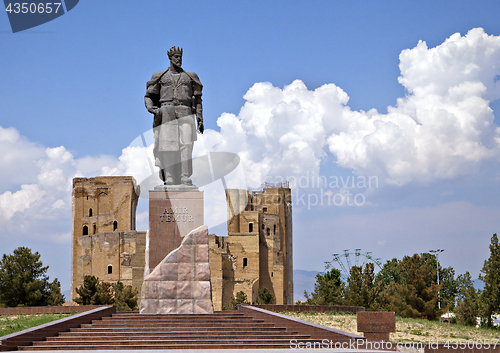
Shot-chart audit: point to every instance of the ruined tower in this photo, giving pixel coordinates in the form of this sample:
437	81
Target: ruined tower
258	250
105	243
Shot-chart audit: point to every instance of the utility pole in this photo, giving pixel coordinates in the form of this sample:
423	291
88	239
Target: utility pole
436	253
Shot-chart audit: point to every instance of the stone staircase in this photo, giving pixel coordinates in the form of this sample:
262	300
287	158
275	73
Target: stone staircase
231	330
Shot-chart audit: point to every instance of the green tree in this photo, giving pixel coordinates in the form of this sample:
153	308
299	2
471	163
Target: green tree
24	282
265	296
390	272
87	290
467	309
125	297
104	294
449	285
416	295
450	288
401	299
360	290
490	275
95	292
368	290
384	279
241	298
353	295
55	296
328	289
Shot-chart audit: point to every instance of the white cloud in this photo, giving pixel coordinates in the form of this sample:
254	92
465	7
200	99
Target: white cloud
92	166
10	203
16	159
439	130
278	132
444	125
134	161
35	187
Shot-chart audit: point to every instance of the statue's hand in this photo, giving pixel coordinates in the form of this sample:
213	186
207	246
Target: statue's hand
153	110
201	128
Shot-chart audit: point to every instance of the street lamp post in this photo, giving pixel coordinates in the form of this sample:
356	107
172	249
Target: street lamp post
436	253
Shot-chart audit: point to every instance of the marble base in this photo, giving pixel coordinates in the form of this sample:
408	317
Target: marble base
180	284
180	187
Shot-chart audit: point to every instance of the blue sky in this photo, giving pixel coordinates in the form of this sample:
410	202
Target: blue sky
72	102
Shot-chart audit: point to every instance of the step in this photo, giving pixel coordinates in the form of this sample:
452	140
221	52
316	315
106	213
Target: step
173	317
86	335
131	313
143	316
178	324
167	329
164	346
149	320
202	344
143	342
177	336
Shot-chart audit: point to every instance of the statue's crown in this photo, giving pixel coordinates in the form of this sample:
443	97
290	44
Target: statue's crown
174	51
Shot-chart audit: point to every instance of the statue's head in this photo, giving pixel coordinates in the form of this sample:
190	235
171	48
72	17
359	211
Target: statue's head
175	56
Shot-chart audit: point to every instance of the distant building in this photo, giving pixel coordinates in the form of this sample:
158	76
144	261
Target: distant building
256	253
447	317
258	250
105	243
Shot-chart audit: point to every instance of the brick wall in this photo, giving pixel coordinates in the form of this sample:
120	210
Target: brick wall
318	308
31	310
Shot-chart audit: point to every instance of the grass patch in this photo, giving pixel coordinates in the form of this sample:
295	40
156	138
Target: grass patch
407	330
15	323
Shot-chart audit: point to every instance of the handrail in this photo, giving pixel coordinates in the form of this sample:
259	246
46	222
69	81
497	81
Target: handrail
26	337
293	324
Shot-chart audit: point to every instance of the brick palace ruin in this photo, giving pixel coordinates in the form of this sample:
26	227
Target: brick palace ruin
256	253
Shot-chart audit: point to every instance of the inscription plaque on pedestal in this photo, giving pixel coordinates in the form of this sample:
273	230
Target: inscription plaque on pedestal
172	215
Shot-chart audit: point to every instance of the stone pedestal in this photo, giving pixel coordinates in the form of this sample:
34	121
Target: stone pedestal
180	283
173	213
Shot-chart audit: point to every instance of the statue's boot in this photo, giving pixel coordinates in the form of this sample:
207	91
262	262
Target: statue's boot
167	176
186	163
